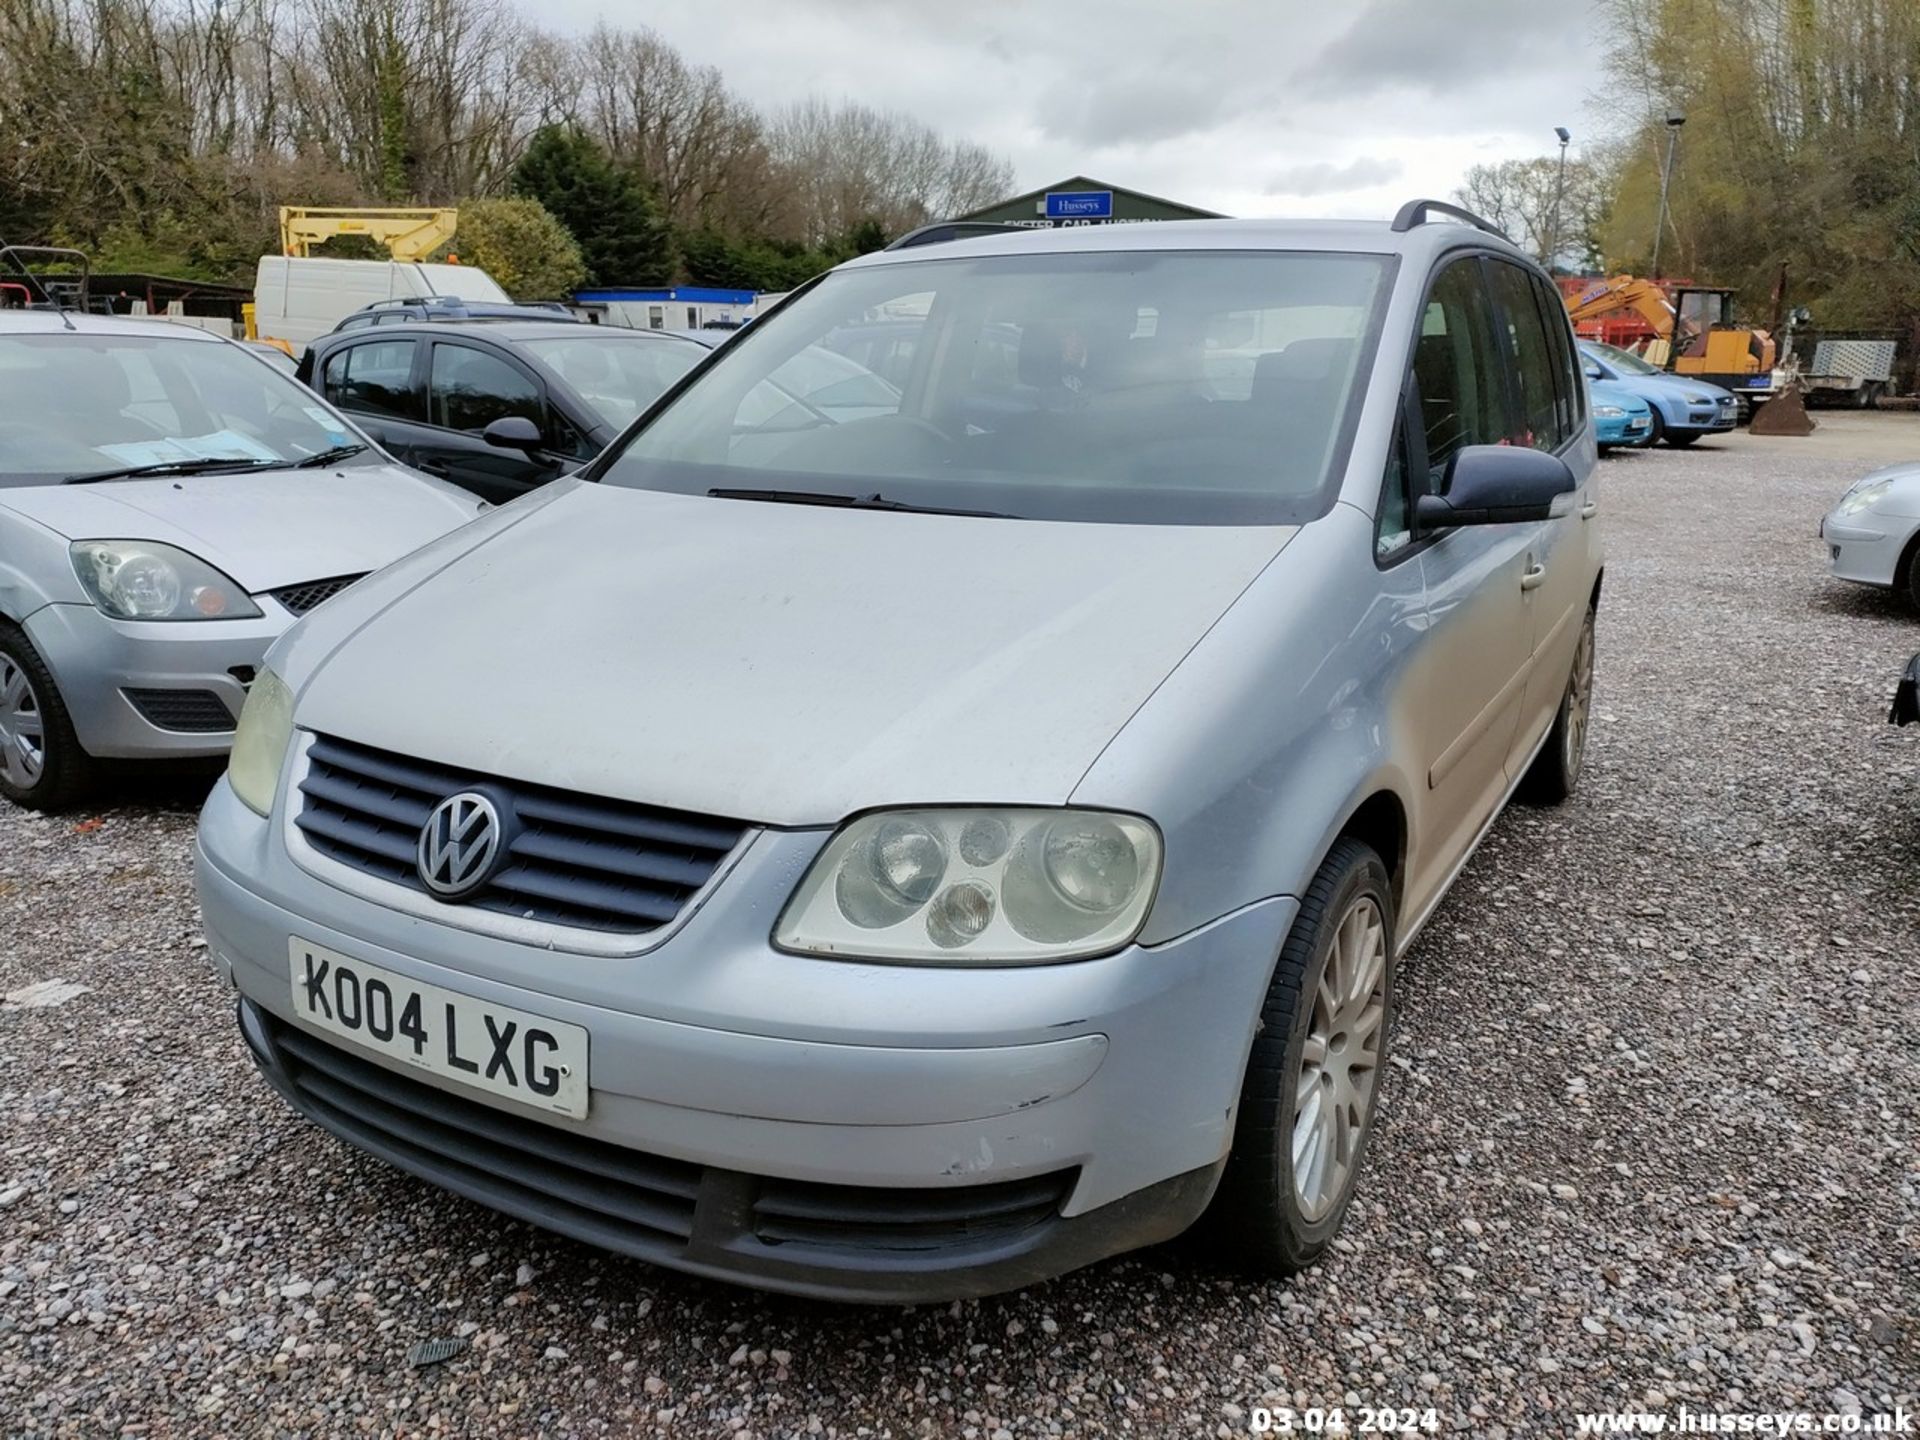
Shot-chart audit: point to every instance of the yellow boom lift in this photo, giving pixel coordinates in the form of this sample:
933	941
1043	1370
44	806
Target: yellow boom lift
407	234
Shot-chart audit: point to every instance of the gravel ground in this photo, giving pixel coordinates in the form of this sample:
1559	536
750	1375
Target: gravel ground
1650	1138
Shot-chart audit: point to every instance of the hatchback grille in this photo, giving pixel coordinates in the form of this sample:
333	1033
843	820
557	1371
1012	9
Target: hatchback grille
573	861
187	712
857	1217
641	1193
630	1200
302	598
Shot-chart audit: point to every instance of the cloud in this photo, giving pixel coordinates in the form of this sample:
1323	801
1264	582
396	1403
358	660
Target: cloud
1247	107
1323	177
1437	46
1142	109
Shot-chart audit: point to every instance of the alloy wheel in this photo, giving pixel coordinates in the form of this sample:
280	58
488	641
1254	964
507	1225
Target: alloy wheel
1573	734
1340	1060
23	731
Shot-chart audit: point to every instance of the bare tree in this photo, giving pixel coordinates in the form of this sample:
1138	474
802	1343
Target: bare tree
183	124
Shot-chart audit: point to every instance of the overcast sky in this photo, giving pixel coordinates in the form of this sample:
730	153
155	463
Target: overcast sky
1249	107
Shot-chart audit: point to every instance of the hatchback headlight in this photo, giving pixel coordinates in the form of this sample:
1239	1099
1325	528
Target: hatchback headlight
1862	497
144	580
260	744
976	887
1699	399
1608	412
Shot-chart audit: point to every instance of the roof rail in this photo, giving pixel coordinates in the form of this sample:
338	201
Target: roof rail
1415	212
942	231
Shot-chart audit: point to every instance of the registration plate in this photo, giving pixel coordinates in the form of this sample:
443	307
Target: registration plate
496	1048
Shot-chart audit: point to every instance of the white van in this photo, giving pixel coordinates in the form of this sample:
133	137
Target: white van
298	299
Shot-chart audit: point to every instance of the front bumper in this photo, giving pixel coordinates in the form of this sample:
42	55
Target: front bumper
1623	429
97	660
1706	420
1865	547
911	1091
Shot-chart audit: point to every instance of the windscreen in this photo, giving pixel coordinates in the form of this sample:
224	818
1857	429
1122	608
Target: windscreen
81	403
1625	361
1169	387
618	375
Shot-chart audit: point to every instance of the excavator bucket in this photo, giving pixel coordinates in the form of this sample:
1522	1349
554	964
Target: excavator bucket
1785	414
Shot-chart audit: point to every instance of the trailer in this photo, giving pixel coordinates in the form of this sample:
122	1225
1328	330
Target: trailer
1843	368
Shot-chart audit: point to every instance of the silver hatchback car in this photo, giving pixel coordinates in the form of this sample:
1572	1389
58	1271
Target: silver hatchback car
169	504
908	852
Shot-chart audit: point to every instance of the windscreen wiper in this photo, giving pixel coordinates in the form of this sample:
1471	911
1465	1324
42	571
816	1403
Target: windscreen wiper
174	467
875	501
327	457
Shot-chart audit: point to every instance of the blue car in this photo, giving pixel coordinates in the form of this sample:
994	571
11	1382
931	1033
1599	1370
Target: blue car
1620	417
1684	408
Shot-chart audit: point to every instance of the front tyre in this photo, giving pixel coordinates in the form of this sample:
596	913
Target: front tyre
1313	1076
1555	772
42	766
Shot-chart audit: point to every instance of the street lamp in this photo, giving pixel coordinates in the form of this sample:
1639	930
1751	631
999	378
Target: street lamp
1675	119
1559	189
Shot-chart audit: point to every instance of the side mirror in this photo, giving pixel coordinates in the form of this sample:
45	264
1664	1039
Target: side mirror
1593	372
1495	485
514	432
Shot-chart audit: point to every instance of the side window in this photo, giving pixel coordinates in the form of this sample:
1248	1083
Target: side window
470	389
1572	387
1394	530
1533	358
375	378
1460	370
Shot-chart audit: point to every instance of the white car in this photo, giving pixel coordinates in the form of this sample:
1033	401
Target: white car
1873	534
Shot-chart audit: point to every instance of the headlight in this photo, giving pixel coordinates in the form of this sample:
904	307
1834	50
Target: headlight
975	887
1699	399
142	580
1608	412
1862	497
260	744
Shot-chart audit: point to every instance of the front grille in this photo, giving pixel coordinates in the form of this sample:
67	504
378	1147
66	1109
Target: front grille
639	1203
302	598
187	712
857	1217
477	1144
574	861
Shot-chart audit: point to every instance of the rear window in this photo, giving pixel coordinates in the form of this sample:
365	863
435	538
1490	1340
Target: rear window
1147	387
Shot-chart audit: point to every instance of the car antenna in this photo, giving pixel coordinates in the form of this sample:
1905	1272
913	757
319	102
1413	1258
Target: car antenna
52	294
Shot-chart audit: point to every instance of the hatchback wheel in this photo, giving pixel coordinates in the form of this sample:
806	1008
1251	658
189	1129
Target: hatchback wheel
1313	1077
1555	772
41	764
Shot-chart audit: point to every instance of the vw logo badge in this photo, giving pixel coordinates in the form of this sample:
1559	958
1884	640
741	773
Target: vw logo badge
458	845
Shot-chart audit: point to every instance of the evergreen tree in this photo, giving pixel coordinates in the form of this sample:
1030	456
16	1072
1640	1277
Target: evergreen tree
622	236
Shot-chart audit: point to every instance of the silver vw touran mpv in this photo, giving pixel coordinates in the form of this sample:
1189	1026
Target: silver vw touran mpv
907	832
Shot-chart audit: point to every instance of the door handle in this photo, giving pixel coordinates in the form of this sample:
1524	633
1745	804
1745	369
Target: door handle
1590	509
1535	577
432	467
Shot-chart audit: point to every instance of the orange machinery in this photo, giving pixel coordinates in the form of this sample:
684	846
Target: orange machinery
1685	328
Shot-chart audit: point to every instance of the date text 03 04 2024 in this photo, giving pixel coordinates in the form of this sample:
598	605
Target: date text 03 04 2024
506	1052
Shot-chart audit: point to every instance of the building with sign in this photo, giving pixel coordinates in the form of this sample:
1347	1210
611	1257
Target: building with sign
1083	201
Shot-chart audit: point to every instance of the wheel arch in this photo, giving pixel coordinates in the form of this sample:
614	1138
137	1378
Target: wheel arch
1379	821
